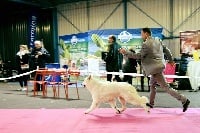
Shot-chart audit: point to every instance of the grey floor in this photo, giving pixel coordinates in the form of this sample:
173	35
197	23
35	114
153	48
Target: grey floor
10	98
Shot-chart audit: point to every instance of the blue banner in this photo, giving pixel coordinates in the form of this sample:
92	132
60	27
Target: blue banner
32	29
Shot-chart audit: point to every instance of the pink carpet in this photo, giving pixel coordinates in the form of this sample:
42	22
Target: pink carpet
102	120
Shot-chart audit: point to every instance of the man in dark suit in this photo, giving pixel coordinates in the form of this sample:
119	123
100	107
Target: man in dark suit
113	59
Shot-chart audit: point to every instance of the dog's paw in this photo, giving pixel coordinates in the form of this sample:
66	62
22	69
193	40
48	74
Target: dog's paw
147	109
87	111
118	111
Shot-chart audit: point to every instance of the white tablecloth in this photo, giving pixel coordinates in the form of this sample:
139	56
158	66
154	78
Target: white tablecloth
193	70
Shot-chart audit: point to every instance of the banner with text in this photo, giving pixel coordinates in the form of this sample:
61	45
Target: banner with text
32	29
129	38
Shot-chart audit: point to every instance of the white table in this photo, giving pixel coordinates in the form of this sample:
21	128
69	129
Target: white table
193	71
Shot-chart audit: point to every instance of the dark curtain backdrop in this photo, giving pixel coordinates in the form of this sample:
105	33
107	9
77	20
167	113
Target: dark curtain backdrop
14	29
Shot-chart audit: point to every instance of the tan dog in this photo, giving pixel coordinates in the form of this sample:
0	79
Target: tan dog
104	91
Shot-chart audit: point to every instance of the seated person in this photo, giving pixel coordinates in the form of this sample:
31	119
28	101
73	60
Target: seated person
72	68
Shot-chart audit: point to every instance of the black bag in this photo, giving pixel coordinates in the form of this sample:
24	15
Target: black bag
104	55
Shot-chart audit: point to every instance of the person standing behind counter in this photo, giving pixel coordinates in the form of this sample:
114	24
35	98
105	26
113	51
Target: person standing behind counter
39	57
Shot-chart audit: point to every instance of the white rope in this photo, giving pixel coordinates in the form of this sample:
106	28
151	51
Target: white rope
17	76
100	73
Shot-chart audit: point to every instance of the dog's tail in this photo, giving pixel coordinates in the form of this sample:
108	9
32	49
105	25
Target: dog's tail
141	100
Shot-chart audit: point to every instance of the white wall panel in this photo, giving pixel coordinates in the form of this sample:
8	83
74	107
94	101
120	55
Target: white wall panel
186	15
90	18
77	16
149	13
100	11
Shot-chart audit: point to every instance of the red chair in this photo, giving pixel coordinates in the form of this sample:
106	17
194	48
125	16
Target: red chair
52	79
42	82
74	76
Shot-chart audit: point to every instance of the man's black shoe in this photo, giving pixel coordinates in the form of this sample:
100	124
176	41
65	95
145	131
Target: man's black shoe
149	105
185	105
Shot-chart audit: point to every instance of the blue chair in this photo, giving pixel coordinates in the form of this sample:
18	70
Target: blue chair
54	79
49	77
